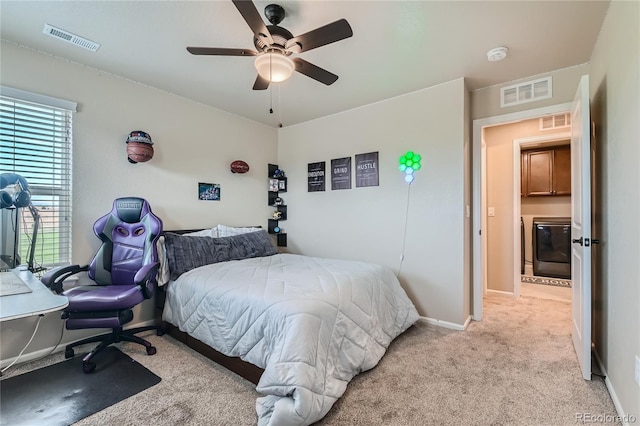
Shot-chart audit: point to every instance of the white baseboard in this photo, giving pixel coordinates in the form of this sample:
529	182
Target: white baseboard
501	293
31	356
623	417
447	324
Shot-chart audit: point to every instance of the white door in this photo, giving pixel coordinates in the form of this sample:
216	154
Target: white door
581	227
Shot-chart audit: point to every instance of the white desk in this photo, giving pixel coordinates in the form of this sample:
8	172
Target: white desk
40	301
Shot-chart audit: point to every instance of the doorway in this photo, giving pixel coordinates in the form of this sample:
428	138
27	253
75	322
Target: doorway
581	216
545	220
527	179
480	206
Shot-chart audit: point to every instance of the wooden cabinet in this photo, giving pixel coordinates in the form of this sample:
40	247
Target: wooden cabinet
562	171
546	171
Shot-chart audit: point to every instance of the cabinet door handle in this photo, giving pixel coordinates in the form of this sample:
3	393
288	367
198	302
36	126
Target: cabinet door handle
577	241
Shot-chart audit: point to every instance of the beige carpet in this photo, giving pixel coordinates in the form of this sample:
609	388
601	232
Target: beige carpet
516	367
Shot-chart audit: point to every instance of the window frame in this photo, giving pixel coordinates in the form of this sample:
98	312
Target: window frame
56	190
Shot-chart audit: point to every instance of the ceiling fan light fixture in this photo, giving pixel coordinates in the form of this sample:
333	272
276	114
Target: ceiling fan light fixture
274	67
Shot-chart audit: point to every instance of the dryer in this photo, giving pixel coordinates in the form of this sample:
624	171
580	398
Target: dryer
552	247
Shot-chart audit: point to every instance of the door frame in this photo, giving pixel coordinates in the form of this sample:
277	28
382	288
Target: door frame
478	192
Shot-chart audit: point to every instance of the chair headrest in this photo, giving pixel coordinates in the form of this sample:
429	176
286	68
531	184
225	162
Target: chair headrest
130	209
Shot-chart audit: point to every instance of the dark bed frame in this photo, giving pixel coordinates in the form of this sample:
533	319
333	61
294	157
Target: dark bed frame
235	364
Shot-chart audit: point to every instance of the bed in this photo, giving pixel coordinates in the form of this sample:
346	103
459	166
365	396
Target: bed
307	325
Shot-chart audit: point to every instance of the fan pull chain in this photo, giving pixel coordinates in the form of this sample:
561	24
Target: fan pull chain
270	85
279	103
271	99
279	107
271	96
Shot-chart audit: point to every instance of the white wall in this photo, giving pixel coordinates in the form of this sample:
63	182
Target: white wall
368	223
614	88
193	143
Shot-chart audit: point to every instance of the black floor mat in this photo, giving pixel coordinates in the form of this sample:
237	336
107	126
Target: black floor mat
61	394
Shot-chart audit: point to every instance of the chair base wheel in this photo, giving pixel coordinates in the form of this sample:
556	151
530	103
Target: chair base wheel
88	367
68	353
151	350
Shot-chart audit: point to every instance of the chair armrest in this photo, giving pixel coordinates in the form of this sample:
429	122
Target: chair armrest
53	279
146	278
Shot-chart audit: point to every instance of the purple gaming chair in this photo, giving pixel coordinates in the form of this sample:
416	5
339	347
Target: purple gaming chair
124	270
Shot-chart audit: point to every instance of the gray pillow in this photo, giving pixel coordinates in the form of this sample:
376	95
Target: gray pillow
185	253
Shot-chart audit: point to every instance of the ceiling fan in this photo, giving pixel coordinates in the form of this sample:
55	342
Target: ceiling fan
276	44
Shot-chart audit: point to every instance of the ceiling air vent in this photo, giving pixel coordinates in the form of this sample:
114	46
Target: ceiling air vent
551	122
526	92
70	38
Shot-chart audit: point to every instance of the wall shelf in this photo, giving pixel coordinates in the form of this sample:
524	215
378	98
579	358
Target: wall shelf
277	184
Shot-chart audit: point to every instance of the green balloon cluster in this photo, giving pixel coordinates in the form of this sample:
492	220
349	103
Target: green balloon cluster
409	163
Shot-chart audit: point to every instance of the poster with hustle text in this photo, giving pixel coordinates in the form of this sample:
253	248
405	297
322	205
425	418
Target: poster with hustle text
367	169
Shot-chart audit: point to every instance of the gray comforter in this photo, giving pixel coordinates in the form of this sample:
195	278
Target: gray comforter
312	324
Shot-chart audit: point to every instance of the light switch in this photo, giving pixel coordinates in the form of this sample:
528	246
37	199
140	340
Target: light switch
491	211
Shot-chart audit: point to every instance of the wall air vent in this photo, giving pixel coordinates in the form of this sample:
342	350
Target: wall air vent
526	92
70	38
554	122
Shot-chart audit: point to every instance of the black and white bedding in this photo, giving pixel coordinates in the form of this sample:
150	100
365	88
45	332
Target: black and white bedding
311	323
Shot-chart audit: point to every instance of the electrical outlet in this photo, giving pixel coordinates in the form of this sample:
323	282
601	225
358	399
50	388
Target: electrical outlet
638	370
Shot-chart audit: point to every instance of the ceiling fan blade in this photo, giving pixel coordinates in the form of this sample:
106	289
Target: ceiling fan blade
315	72
261	83
330	33
221	51
250	14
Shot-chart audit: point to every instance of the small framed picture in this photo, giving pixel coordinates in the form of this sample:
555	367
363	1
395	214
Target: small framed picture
282	185
208	191
274	186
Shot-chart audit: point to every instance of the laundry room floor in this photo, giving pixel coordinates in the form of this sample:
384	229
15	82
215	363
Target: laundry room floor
543	291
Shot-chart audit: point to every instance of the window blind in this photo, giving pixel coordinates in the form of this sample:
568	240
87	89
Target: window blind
35	142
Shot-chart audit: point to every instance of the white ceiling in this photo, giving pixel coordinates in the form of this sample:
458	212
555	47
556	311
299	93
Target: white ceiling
397	47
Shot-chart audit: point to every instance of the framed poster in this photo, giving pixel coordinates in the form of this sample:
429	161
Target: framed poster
316	176
367	169
208	191
341	173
